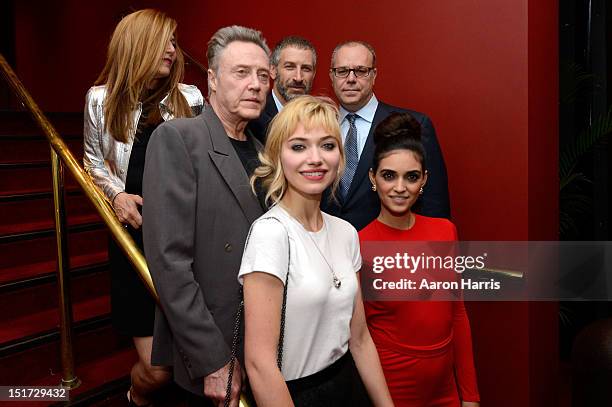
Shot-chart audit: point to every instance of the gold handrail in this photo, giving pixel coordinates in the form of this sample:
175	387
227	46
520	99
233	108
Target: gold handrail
124	240
59	151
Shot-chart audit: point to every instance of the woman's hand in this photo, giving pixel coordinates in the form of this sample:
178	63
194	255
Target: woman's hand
470	404
126	209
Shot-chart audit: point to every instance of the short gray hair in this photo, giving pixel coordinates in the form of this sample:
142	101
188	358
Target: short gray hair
226	35
351	43
296	42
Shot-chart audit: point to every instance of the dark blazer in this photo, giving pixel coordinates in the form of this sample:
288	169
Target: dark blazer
259	126
199	207
362	205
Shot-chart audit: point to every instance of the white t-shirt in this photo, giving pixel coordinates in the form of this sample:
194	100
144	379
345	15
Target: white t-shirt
318	315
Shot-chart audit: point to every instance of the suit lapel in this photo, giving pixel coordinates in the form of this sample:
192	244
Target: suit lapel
270	110
224	157
367	155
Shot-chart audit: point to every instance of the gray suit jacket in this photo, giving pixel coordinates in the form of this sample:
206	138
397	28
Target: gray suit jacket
199	206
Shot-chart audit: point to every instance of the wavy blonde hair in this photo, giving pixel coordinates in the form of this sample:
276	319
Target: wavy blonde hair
134	57
309	111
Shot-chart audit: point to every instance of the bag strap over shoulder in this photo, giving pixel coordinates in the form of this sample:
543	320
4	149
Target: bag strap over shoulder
281	337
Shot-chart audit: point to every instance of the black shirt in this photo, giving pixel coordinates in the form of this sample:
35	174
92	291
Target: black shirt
247	152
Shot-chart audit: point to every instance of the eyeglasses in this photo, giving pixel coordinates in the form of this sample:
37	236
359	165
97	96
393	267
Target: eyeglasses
345	71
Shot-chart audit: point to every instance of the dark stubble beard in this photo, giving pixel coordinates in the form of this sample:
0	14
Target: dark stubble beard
284	91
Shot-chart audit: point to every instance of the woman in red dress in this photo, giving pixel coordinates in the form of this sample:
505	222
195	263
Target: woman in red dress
425	347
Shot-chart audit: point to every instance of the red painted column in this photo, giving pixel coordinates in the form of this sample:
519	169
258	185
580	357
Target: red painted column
543	189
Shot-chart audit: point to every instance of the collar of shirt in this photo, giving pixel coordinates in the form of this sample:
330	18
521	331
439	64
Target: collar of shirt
365	117
277	102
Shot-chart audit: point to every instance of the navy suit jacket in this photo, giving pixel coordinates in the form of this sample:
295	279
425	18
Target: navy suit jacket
361	205
259	126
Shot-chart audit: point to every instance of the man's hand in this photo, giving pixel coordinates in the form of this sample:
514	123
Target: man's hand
215	385
126	209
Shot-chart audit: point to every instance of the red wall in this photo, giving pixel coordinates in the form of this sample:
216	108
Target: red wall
485	71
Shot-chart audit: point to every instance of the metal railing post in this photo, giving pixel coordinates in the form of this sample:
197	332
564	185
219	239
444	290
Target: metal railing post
63	274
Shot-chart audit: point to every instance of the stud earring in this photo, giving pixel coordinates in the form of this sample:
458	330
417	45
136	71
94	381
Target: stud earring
421	191
374	187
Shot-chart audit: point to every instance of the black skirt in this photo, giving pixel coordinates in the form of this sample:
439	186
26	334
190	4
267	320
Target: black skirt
132	306
337	385
333	386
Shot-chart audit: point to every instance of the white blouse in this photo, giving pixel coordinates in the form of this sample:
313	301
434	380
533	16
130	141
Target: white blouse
318	315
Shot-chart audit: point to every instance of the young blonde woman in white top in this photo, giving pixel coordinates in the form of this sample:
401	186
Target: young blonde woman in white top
317	256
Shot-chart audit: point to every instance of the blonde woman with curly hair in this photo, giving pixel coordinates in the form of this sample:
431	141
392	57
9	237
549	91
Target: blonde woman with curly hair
138	88
299	266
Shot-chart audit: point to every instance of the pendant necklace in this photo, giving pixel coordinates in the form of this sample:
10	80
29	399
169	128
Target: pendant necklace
335	280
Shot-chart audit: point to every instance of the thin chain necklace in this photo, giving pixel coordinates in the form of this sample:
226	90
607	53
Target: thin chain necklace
335	280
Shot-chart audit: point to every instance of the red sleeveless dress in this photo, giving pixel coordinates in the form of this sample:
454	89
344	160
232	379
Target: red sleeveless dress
425	348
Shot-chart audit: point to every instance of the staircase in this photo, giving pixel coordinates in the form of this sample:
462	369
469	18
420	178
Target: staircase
29	338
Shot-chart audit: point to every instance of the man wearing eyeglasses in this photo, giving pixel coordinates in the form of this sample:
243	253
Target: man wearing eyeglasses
293	65
353	73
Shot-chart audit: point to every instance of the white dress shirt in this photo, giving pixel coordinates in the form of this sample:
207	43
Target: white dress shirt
277	102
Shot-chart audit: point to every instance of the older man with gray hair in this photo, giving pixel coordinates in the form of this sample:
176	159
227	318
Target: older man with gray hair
197	213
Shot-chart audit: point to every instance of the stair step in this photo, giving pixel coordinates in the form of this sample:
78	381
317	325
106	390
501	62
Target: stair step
105	369
46	322
36	271
109	394
22	123
32	256
28	215
73	190
113	394
38	180
41	279
18	150
33	310
21	301
100	355
39	136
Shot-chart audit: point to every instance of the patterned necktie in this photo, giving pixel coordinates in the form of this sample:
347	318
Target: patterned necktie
350	152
